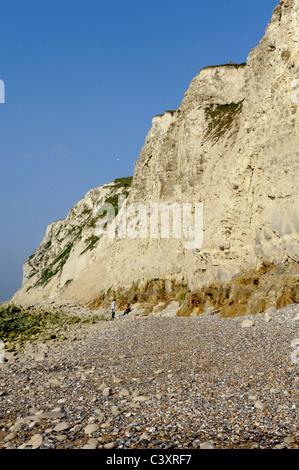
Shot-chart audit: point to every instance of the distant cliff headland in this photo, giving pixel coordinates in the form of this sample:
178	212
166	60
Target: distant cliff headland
210	217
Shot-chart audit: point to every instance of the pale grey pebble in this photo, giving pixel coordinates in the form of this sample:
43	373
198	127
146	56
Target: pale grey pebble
62	426
110	446
207	445
91	444
35	441
91	428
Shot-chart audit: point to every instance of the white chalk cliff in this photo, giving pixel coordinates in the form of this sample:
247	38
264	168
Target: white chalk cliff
232	145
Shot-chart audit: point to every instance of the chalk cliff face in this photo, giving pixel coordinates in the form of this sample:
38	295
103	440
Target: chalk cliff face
232	146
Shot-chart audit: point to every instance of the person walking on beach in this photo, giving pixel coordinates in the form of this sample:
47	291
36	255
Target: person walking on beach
113	309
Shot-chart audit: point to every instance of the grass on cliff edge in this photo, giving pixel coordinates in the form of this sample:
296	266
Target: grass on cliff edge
19	326
123	182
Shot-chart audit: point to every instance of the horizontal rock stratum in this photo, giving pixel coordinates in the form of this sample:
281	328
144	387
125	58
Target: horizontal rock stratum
232	148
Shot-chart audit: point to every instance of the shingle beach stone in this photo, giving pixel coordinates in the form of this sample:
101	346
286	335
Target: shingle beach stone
182	383
91	428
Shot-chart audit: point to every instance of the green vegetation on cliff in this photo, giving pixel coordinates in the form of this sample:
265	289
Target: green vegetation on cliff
220	118
85	218
55	267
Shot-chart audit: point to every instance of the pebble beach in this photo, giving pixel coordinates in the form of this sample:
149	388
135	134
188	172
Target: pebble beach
156	382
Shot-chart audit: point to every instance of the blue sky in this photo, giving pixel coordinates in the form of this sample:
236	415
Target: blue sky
83	80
